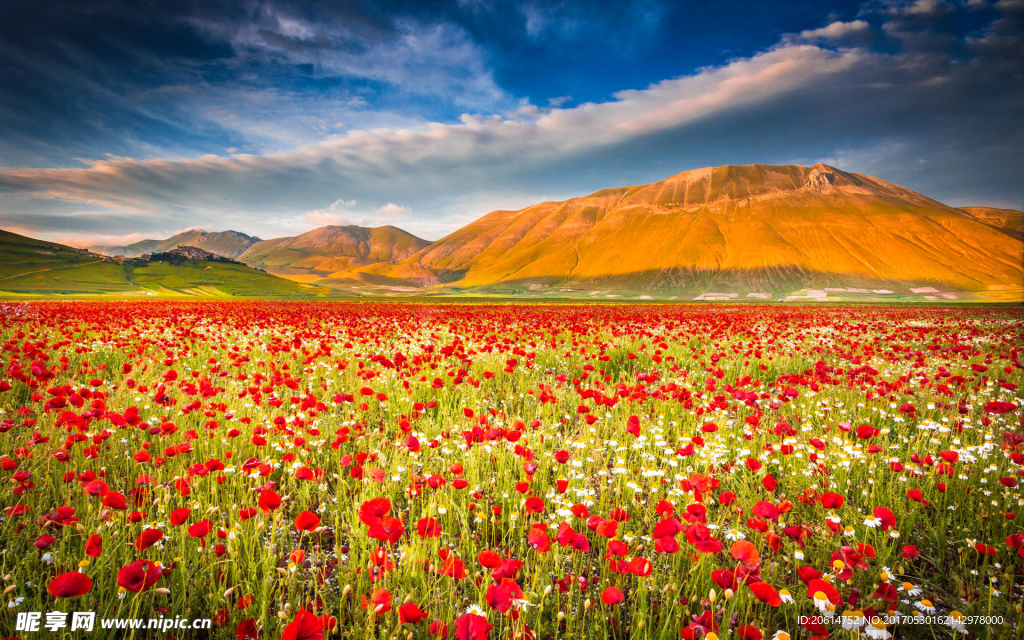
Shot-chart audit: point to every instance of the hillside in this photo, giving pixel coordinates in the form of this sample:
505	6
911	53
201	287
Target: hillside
36	267
229	244
339	254
734	229
1009	220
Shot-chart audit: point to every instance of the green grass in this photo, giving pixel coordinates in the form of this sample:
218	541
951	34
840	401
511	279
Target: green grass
35	268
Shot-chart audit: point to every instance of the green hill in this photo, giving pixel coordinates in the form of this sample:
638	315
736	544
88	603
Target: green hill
36	267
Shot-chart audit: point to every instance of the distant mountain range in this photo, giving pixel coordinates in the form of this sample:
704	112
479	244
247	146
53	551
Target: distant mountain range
35	267
230	244
732	232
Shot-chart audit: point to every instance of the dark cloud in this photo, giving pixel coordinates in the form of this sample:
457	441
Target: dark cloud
939	113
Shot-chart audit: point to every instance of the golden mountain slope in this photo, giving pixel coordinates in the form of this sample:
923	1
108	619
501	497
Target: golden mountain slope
334	252
748	228
1009	220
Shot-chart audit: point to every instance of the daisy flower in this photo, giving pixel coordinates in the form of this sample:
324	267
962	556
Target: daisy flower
852	619
926	606
821	601
876	630
910	589
957	621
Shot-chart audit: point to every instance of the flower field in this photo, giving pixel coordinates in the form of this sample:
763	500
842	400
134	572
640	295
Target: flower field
374	470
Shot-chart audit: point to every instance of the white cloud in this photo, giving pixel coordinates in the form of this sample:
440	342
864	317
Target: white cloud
343	212
795	98
856	32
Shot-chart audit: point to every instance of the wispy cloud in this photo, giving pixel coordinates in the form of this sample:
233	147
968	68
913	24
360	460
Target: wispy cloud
865	93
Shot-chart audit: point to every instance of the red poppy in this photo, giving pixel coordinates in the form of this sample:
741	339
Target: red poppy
500	596
200	529
307	521
428	528
700	537
470	626
246	629
611	596
139	575
409	613
269	500
887	518
148	538
749	632
373	510
832	501
69	585
379	602
765	593
744	552
305	626
94	546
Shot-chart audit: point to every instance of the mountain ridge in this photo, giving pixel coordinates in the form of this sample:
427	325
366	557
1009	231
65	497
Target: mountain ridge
750	227
228	244
731	231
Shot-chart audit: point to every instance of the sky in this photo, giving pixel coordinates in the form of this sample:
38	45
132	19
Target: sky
124	120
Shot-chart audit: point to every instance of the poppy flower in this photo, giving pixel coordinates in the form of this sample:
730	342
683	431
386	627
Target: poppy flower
765	510
148	538
744	552
700	537
116	501
305	626
470	626
489	559
307	521
94	546
139	575
379	602
539	539
180	516
612	595
269	500
409	613
428	528
765	593
387	529
44	541
200	529
832	500
247	629
749	632
500	596
641	567
371	511
885	517
69	585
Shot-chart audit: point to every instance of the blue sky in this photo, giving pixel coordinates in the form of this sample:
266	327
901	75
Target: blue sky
123	120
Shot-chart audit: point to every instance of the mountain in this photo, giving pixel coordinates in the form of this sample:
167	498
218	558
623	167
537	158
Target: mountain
734	230
334	254
36	267
1009	220
229	244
